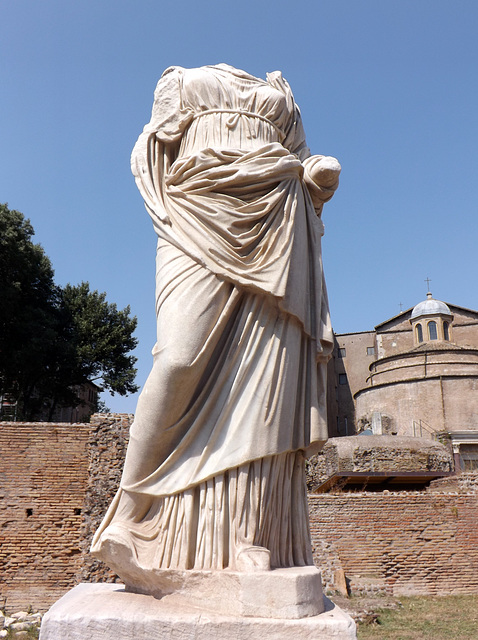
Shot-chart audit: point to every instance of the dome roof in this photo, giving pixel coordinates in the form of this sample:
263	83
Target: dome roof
430	307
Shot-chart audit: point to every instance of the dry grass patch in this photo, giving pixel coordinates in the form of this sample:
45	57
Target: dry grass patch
425	618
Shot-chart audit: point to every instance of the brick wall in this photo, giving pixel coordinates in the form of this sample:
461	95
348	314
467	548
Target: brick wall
407	543
43	479
56	481
106	451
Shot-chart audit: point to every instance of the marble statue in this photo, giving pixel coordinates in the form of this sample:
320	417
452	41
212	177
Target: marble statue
214	472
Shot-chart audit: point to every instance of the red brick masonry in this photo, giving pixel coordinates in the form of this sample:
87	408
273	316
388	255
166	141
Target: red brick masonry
56	481
43	477
413	542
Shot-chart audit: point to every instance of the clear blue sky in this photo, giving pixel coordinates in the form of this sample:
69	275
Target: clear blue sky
388	87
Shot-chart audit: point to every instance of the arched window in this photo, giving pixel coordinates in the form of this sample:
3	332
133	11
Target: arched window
419	333
446	332
432	330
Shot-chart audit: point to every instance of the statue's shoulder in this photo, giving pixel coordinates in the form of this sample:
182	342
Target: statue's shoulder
277	80
173	69
182	74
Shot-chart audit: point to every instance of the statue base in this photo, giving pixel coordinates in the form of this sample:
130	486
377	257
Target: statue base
105	611
290	593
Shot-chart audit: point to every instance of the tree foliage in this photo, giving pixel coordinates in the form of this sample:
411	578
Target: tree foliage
52	338
103	336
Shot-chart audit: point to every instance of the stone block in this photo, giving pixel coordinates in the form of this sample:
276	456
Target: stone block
109	612
291	593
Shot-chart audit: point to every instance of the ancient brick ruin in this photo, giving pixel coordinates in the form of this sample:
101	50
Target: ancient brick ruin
404	543
57	480
43	481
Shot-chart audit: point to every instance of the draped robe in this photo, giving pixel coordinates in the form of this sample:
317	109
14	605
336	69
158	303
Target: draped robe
237	393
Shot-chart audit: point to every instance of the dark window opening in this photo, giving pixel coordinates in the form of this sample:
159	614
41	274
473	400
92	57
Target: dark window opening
446	333
419	333
29	512
470	465
342	378
341	352
469	457
77	511
432	330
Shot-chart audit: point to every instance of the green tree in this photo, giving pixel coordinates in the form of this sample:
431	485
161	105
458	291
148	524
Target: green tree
103	337
28	309
53	339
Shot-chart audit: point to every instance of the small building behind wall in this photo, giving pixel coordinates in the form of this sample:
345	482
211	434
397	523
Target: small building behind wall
414	375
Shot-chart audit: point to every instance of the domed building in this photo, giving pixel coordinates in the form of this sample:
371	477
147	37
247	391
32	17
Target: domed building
414	375
431	320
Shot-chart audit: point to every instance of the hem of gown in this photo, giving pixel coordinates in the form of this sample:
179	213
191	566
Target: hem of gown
252	517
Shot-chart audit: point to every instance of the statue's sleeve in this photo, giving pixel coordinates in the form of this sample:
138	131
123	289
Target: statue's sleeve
295	140
320	185
157	146
294	132
320	192
171	114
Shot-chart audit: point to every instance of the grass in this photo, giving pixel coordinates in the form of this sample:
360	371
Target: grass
425	618
417	618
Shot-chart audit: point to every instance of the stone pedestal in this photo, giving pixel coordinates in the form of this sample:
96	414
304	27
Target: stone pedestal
109	612
291	593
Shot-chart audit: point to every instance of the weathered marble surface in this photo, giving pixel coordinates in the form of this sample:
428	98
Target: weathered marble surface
214	473
282	593
211	515
107	612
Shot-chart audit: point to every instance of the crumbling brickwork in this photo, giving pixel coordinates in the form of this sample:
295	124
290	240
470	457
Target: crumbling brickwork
43	478
57	480
408	542
106	451
376	453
